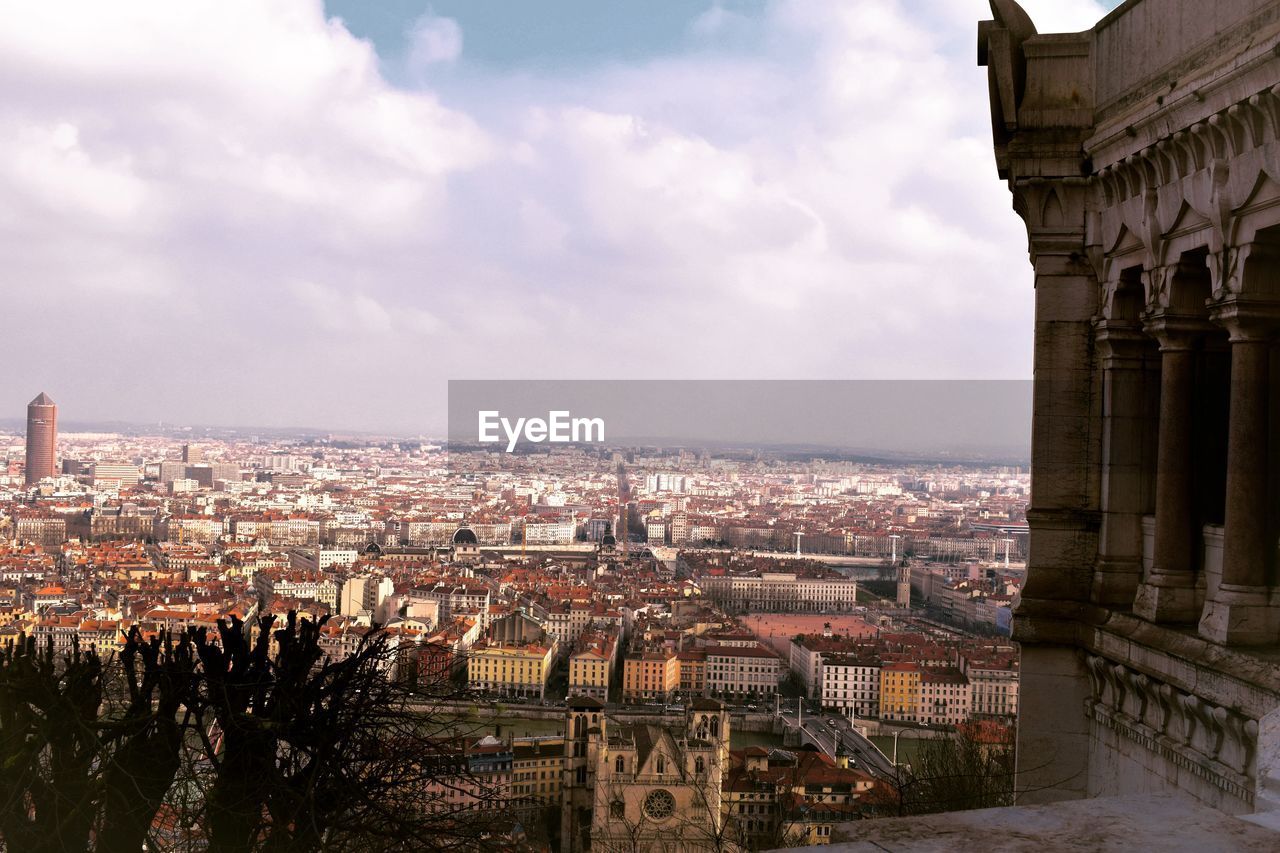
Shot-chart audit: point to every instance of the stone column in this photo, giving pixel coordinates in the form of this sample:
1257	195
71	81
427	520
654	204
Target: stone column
1168	593
1121	347
1238	612
1053	732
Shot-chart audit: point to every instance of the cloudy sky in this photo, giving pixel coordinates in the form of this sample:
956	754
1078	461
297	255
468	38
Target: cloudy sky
283	212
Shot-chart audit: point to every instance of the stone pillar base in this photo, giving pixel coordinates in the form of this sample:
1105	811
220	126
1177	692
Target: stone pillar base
1114	582
1167	604
1240	616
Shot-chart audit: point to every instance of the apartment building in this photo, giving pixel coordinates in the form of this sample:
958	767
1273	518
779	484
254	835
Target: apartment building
650	675
944	697
366	594
567	621
693	672
536	771
321	559
900	691
808	652
550	532
851	683
511	669
591	666
46	529
779	797
457	595
993	684
191	528
742	672
114	474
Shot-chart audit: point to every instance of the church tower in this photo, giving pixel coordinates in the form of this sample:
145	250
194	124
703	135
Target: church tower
707	720
584	734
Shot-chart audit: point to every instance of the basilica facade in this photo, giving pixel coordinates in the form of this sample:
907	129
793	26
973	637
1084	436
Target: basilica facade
1143	156
645	787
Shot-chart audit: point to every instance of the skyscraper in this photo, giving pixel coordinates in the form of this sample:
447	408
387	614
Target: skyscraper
42	438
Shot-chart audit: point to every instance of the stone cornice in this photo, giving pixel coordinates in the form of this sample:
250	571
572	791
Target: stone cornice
1249	124
1142	116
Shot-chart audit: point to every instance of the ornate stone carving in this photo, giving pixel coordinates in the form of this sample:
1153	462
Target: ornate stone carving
1226	269
1155	286
1215	743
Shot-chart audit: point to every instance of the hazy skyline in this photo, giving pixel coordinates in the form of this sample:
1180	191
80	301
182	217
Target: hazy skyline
249	213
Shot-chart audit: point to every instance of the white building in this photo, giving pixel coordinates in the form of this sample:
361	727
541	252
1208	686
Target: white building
549	532
366	595
742	671
851	683
780	592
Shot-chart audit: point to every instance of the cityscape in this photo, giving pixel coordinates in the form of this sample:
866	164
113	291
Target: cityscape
817	610
691	426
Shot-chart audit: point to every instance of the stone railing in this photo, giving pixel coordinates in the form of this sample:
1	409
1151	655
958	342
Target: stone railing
1215	744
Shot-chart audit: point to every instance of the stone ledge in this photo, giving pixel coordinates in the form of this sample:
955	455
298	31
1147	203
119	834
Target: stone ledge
1212	771
1164	822
1251	677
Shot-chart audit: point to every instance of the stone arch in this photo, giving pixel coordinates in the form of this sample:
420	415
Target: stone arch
1258	268
1189	285
1125	297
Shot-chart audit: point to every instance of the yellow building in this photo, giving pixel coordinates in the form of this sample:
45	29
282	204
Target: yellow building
590	668
650	675
899	691
511	669
537	770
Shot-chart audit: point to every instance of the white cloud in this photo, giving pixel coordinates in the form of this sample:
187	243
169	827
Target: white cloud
434	39
233	184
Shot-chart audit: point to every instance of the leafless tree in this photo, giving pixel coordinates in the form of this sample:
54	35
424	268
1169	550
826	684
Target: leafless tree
243	739
952	773
49	746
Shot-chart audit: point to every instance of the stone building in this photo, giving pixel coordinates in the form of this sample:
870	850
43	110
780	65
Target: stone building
1144	157
780	592
643	787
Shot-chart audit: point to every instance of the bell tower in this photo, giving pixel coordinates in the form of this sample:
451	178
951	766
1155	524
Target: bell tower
707	720
584	736
904	584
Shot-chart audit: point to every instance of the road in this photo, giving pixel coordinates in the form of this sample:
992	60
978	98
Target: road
829	731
